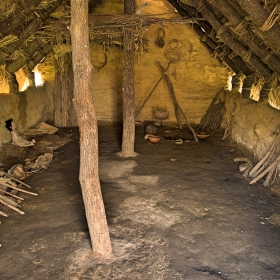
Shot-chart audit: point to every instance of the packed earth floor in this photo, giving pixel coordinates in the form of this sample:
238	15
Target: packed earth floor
174	212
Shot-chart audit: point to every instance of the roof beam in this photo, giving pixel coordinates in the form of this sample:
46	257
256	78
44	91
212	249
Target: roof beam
259	15
241	28
224	35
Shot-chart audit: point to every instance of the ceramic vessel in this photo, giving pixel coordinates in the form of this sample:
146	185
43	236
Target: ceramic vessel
138	123
179	141
161	115
151	129
154	139
202	135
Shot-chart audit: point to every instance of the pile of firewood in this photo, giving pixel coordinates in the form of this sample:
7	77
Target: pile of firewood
267	167
9	187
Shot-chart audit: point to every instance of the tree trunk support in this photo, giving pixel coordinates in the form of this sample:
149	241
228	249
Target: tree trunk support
128	137
89	176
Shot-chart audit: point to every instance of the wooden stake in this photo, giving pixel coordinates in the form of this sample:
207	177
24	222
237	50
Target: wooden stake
264	161
10	176
21	190
12	207
176	104
13	195
3	214
272	166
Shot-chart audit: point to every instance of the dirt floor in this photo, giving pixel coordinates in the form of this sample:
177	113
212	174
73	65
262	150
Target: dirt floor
194	217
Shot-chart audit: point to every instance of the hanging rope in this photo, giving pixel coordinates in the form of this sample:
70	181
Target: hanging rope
241	29
267	57
204	38
272	18
247	56
232	55
201	5
222	29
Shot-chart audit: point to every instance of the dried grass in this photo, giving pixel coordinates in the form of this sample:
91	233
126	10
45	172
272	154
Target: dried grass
7	7
47	69
8	40
3	80
61	50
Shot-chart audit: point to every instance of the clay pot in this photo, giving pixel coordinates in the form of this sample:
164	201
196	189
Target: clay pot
161	115
157	124
179	141
151	129
202	135
138	123
154	139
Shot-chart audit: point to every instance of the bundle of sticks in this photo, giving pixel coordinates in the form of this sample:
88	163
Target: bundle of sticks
9	186
268	166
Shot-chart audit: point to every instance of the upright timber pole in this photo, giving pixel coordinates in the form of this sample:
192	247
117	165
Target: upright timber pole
89	176
128	137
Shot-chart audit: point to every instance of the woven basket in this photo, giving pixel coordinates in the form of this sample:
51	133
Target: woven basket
161	115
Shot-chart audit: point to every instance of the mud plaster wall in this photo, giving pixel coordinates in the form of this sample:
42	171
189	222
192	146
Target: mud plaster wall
196	77
252	123
27	108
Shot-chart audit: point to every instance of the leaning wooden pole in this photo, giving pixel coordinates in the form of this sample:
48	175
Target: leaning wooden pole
89	176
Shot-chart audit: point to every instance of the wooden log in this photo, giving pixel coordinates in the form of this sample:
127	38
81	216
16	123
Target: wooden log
254	172
89	178
17	180
268	169
8	200
150	94
20	190
13	195
259	15
266	183
170	87
29	29
207	29
225	36
28	52
12	207
3	214
248	36
128	137
18	19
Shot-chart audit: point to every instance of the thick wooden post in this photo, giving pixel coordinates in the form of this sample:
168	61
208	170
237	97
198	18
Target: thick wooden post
128	137
89	177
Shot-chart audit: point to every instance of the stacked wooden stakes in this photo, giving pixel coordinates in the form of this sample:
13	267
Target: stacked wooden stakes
8	190
267	166
9	198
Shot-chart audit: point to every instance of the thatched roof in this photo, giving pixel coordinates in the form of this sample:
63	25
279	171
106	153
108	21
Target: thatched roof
243	34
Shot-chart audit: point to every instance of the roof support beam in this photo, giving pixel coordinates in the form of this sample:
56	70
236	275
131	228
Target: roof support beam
225	36
27	32
243	32
259	15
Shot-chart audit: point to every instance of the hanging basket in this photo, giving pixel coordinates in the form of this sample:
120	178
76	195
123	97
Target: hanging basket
161	115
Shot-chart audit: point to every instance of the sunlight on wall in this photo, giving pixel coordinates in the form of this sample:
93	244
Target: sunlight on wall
24	81
25	85
229	82
38	77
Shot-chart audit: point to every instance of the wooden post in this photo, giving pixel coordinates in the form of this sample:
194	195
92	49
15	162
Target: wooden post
128	137
89	177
